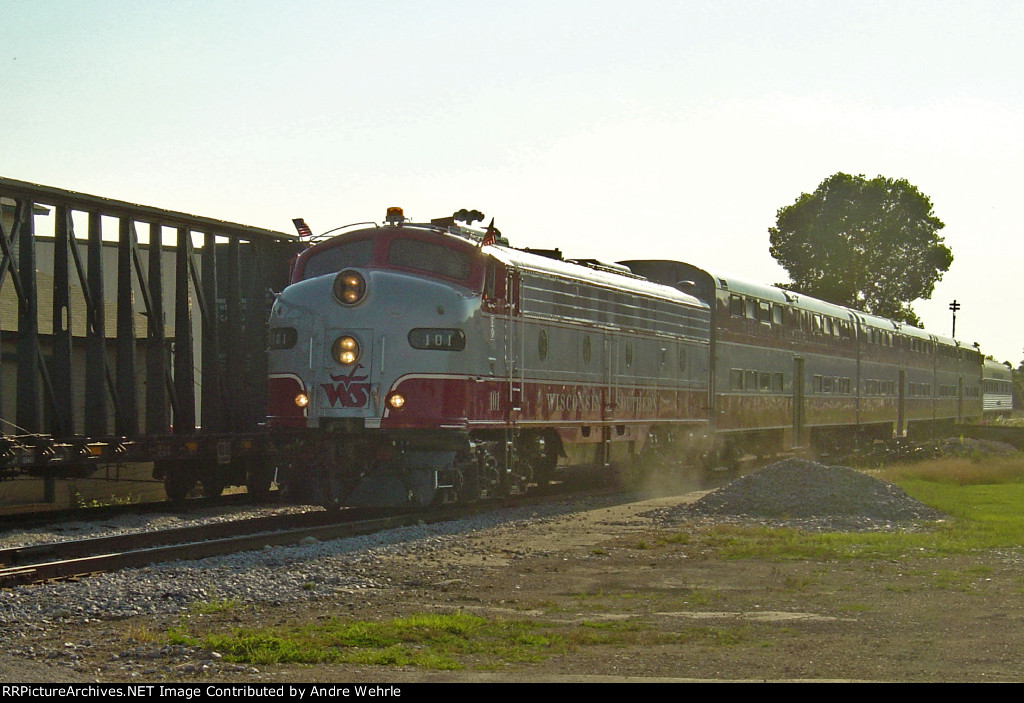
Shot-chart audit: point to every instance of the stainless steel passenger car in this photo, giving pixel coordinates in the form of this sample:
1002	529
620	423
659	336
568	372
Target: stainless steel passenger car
790	371
997	388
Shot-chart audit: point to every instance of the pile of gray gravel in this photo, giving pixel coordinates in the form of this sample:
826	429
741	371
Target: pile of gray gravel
806	494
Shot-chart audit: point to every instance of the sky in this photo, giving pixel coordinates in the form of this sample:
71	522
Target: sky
609	129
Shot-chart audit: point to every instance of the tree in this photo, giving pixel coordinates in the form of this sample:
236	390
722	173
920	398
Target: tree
871	245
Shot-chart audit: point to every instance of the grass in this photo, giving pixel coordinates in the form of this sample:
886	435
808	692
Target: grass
1014	420
445	642
215	606
425	640
960	471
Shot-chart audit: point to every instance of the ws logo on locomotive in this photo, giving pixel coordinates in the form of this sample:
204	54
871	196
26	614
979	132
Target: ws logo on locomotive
433	363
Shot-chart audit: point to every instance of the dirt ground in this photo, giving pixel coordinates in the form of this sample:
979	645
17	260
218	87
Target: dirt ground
696	617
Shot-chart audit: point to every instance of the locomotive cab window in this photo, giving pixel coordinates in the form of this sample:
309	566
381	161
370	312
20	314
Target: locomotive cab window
494	287
429	258
349	254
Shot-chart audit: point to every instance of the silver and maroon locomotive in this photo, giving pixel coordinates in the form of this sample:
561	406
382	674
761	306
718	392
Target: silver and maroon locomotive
434	363
420	363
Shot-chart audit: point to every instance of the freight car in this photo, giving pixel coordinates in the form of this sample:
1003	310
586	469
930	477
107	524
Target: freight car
434	363
133	343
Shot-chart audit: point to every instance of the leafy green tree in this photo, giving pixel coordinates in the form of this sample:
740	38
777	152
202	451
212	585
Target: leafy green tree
872	245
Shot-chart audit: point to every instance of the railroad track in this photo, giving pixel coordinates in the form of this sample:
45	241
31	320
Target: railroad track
81	558
78	558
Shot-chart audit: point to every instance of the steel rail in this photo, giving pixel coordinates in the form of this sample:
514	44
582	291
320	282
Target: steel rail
76	558
29	554
138	557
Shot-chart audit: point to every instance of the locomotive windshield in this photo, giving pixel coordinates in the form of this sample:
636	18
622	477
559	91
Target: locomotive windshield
349	254
429	257
386	250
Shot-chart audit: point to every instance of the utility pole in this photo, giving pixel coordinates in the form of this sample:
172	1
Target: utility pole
954	306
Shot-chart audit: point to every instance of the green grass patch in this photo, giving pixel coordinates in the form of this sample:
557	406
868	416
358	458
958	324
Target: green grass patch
961	471
215	606
428	641
444	642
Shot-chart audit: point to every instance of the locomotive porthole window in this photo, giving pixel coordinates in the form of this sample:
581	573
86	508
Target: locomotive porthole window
542	345
586	350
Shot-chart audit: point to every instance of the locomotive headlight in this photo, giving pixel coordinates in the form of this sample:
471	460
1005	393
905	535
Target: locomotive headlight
396	401
349	287
301	400
345	350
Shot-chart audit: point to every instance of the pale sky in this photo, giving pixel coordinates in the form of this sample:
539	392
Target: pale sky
610	129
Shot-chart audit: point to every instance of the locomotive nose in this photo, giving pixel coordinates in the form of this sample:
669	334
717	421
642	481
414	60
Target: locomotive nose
347	385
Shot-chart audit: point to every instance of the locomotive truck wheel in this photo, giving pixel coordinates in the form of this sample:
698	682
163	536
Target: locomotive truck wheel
258	481
213	486
178	484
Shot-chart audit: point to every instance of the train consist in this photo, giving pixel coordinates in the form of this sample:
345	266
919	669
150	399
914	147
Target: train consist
434	363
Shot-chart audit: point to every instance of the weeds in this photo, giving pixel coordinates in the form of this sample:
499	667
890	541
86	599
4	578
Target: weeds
214	606
426	640
960	471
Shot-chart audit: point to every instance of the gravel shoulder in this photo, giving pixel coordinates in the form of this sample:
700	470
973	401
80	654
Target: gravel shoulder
598	562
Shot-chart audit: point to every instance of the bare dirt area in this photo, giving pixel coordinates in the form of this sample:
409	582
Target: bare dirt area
674	610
